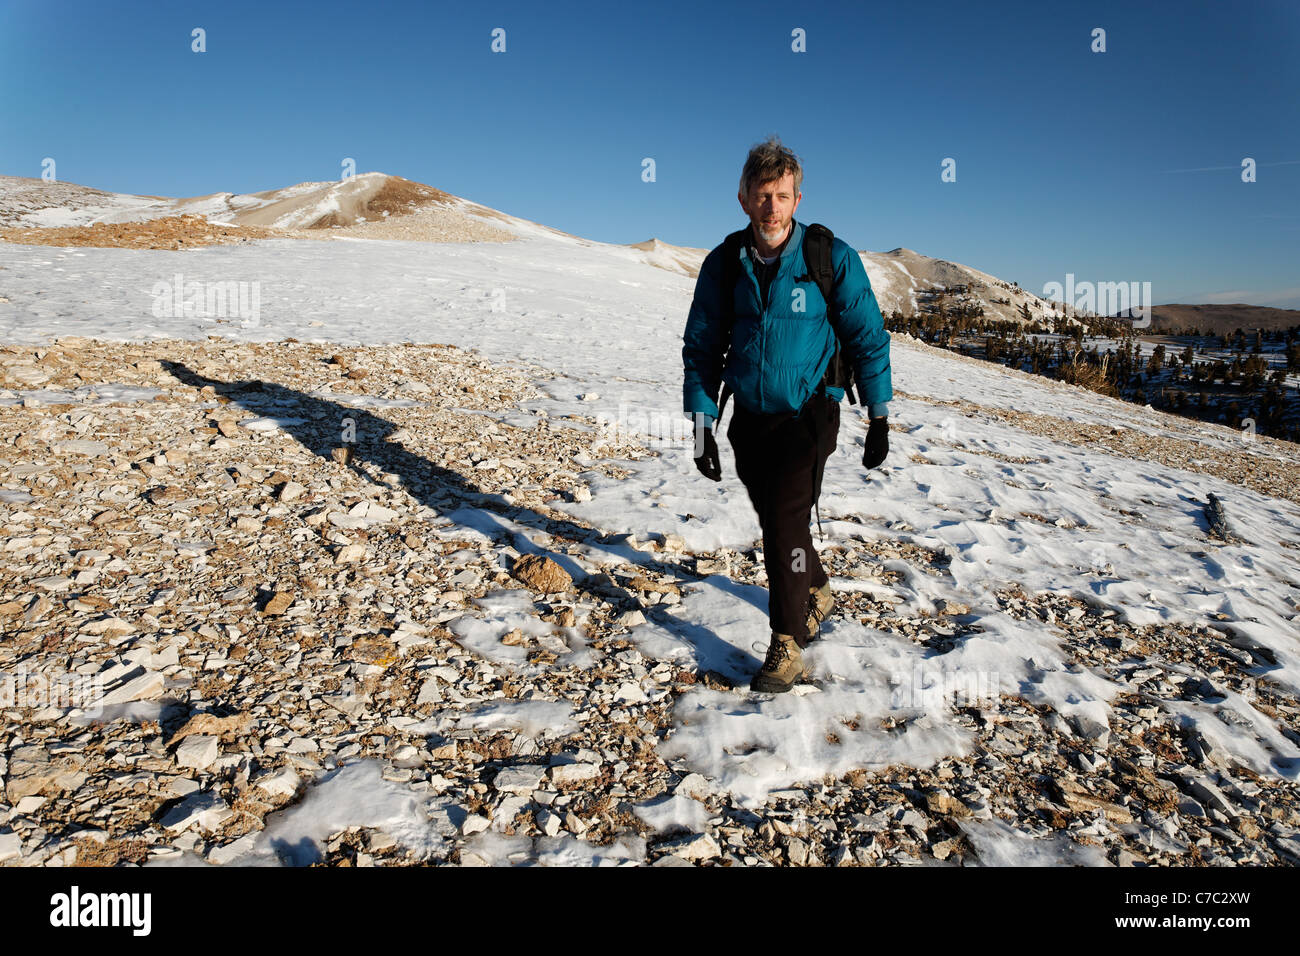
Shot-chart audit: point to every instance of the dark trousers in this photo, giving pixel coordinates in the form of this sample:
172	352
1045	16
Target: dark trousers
775	459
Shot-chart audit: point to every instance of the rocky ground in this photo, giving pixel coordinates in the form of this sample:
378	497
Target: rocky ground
263	581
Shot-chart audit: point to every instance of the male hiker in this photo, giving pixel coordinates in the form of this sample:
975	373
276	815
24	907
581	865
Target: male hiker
760	325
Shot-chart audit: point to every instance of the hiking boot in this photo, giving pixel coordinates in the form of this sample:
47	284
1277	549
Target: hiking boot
819	605
783	666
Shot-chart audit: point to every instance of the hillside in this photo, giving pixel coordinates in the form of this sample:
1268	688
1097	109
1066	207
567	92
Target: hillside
281	541
905	280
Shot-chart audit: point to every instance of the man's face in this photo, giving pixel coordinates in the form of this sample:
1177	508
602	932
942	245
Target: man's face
770	207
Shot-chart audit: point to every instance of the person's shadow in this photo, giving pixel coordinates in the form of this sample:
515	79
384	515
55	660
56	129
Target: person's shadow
322	425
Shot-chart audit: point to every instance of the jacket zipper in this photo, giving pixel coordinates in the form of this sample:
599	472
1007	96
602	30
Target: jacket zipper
763	309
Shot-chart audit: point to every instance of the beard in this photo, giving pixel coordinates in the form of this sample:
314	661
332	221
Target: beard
771	234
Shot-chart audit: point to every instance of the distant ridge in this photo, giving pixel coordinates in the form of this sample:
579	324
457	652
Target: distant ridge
1222	319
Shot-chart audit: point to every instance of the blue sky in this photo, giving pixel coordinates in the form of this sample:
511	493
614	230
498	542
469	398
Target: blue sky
1065	158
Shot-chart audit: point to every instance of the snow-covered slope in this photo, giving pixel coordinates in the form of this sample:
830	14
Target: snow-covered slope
901	277
1006	507
37	204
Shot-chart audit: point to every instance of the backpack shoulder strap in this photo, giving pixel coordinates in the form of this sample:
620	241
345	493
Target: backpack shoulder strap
817	258
731	247
817	255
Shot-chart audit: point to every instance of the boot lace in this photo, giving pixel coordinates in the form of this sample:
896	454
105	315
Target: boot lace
777	654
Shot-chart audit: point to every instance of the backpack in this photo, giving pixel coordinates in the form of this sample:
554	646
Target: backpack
819	268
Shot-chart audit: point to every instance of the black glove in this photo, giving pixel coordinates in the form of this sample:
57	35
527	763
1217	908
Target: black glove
876	447
706	452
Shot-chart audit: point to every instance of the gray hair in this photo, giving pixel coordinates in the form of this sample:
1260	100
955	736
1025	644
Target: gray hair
767	161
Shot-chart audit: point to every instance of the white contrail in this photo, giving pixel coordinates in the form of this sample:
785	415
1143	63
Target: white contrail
1206	169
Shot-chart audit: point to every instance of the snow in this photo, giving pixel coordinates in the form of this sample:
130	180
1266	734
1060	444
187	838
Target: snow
675	812
508	611
355	795
997	843
115	207
305	216
82	207
266	423
82	395
534	718
755	746
582	321
495	849
136	711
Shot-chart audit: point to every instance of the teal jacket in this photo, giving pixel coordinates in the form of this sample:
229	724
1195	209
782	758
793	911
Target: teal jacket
781	348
